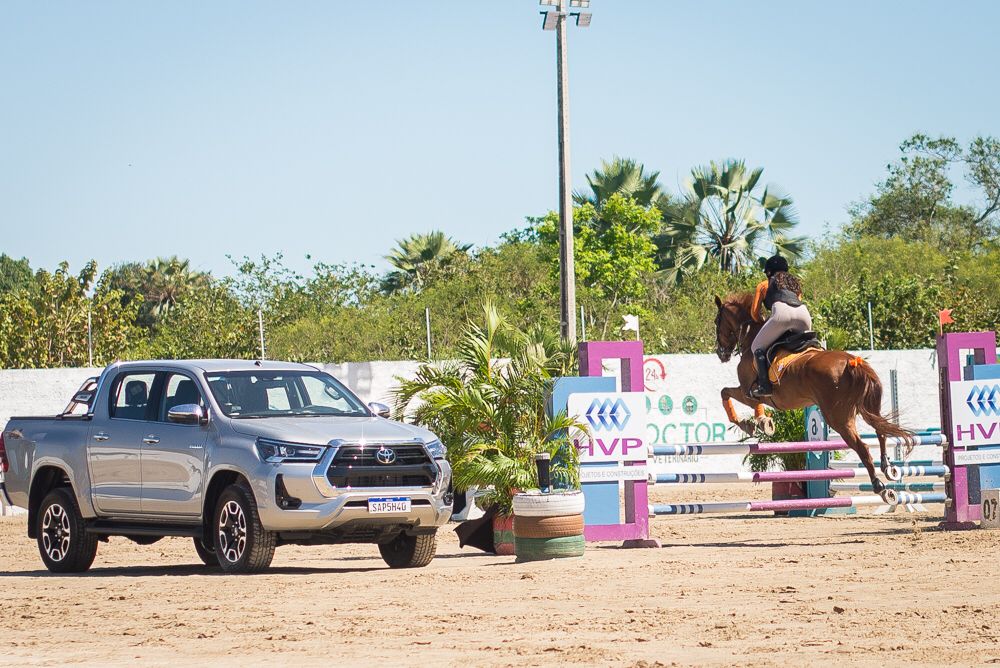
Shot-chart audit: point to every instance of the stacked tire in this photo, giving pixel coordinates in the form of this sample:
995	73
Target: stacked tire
548	526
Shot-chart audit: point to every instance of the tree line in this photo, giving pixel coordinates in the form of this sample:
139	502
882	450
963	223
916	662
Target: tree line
908	247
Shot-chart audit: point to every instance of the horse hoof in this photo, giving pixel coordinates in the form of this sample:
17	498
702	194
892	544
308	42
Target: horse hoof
766	425
748	427
893	473
890	496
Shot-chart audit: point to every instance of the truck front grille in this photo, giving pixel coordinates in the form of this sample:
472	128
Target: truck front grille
357	466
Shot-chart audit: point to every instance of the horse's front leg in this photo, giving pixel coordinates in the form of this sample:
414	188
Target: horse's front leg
750	426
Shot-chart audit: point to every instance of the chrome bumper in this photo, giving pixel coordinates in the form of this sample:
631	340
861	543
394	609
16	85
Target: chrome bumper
325	507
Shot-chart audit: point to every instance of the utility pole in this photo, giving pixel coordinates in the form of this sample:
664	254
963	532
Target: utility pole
558	21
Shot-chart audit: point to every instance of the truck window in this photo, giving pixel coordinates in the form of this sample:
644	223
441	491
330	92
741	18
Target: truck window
179	389
256	394
130	395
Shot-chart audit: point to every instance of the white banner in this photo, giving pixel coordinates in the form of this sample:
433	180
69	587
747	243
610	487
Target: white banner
617	424
975	413
974	457
612	473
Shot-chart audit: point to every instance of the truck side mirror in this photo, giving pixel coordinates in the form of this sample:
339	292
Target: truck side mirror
378	409
187	414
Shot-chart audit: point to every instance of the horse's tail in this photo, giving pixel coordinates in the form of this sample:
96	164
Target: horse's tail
861	375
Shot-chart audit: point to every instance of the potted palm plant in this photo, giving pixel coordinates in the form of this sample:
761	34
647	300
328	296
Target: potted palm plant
488	408
788	426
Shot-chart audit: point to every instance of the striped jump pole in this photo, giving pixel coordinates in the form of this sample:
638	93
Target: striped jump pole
898	470
878	464
787	476
790	504
898	486
688	449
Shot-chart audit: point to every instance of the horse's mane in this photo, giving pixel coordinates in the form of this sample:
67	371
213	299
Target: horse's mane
742	300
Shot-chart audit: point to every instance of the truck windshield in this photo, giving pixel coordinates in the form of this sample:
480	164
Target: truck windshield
257	394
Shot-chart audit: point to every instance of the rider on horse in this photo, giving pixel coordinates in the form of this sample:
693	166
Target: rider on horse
780	293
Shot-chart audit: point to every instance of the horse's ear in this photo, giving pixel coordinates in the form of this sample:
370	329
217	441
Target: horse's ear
718	302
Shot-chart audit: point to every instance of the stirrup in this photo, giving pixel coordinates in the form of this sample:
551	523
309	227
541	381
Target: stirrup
756	392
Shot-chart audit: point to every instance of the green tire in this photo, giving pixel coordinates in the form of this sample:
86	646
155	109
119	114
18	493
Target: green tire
538	549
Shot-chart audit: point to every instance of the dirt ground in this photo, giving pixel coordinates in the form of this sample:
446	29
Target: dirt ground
723	590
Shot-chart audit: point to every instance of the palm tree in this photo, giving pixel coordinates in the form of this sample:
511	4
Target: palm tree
488	408
415	257
166	280
726	219
624	176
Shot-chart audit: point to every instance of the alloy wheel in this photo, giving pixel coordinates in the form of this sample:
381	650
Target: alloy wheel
55	532
232	532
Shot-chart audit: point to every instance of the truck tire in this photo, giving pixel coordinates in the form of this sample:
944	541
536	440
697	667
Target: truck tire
63	541
206	555
409	551
548	527
540	549
555	504
242	544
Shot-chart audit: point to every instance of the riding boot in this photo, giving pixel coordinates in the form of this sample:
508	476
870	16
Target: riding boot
763	387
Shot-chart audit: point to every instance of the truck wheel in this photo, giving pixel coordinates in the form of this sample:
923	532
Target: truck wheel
63	541
206	555
242	545
409	551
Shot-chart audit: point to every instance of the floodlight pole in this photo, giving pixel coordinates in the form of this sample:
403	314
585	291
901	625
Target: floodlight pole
567	274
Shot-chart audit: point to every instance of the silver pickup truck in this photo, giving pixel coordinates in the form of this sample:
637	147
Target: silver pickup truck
241	456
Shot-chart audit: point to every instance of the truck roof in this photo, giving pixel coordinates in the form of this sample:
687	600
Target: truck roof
209	365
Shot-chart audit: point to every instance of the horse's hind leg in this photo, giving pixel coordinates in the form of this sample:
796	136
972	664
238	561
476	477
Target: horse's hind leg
850	433
888	470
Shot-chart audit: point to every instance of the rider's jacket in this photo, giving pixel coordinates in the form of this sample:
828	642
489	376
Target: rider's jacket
767	293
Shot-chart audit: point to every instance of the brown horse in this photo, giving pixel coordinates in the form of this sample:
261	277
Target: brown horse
842	385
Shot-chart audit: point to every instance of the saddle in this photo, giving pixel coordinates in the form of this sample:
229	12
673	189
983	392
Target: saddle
793	342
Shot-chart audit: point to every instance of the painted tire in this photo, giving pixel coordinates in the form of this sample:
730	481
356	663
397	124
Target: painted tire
538	549
548	527
503	535
556	504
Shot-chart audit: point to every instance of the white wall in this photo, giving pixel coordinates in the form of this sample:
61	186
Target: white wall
683	406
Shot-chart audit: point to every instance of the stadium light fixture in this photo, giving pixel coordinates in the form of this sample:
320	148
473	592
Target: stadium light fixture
551	20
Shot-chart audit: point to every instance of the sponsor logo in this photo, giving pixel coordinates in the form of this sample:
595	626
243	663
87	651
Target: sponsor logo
385	456
984	400
654	374
607	414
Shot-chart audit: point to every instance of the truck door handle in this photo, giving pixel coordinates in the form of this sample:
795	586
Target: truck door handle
101	436
151	439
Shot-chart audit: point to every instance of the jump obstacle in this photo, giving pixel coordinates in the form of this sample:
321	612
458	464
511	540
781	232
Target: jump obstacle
894	494
970	444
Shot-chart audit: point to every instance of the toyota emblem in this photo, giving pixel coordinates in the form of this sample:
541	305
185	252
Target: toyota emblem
385	456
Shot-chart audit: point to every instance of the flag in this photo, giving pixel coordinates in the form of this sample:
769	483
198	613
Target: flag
944	316
631	323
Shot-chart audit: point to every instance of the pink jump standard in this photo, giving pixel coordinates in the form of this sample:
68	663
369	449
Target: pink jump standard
980	349
634	530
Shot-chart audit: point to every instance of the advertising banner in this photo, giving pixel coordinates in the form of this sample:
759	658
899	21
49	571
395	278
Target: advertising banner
975	413
616	421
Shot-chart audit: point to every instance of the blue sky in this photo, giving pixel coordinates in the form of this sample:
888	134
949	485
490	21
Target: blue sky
135	129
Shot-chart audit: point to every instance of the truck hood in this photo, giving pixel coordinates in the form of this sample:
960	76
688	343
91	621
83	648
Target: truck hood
322	430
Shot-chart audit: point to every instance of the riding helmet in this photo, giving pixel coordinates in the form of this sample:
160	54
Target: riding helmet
774	264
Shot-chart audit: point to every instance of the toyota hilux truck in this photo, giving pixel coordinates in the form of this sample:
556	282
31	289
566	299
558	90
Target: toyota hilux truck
241	456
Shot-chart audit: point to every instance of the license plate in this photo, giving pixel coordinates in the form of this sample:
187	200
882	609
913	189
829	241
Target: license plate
393	504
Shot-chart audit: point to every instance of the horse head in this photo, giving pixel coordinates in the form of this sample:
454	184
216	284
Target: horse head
731	325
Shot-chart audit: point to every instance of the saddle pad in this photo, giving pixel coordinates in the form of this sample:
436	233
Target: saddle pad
785	360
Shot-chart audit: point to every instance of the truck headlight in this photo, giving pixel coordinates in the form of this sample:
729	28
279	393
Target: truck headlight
436	449
272	451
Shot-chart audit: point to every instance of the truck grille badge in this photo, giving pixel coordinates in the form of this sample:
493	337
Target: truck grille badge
385	456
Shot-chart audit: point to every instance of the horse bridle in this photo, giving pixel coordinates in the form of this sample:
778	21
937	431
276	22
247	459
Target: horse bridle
744	330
